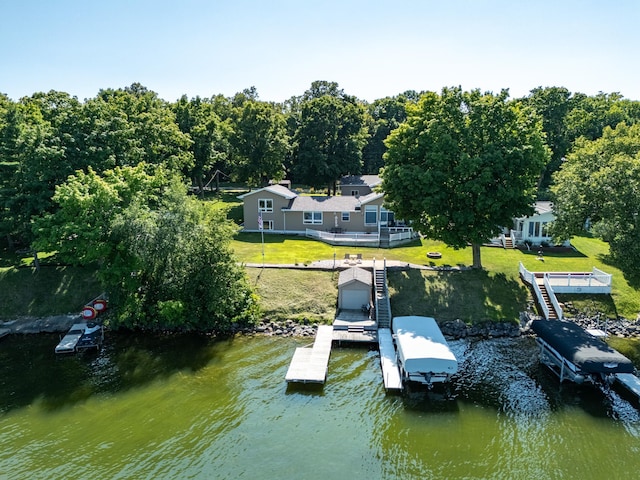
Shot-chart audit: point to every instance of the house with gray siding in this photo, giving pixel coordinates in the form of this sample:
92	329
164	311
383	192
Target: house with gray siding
345	219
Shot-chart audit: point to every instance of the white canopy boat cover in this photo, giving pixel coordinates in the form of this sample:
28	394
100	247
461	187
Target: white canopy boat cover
423	352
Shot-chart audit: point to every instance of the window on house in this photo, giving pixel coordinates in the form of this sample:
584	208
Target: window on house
545	230
312	218
534	229
267	224
265	205
370	215
346	216
355	193
387	218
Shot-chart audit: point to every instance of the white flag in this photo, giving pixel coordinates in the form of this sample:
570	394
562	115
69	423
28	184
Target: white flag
260	227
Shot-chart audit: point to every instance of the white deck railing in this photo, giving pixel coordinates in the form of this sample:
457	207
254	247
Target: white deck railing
595	281
359	238
407	235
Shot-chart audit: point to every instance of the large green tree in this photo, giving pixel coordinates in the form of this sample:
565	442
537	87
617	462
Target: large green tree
599	185
210	138
463	165
163	257
385	115
259	143
329	139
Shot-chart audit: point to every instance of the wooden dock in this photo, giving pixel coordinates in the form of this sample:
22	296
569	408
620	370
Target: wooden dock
389	361
309	365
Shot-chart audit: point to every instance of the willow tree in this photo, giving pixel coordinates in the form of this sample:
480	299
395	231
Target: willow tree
463	165
163	257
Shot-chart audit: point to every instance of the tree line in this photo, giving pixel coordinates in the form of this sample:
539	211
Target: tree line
103	180
312	139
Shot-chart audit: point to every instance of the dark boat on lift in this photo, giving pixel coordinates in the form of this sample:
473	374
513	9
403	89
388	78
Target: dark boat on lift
573	354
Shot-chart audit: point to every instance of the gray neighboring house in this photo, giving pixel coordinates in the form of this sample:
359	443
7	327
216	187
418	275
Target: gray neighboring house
355	218
359	185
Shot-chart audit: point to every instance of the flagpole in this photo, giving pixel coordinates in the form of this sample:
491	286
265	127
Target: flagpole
261	227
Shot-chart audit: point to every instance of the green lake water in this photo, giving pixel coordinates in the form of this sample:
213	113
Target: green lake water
193	408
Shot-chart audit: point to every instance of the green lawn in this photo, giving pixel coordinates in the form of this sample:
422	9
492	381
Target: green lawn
296	294
495	287
473	296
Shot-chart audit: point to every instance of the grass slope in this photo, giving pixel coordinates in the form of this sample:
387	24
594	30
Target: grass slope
499	290
296	294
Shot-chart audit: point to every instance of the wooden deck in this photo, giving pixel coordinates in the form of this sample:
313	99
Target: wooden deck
389	361
309	365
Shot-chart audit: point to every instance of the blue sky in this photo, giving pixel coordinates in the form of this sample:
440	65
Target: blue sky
371	48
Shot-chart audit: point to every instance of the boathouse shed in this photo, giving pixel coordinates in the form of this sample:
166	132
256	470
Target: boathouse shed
354	288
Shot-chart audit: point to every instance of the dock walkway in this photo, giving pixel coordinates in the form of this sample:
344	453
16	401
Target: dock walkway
389	361
309	365
630	382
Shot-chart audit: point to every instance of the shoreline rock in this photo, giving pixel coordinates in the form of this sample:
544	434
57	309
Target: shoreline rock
454	329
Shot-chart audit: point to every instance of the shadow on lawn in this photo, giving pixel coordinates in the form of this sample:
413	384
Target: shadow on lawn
270	238
553	252
473	296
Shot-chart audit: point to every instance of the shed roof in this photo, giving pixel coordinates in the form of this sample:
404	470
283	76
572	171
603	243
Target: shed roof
355	274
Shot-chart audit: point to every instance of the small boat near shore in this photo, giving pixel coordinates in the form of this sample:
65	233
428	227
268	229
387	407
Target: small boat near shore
81	337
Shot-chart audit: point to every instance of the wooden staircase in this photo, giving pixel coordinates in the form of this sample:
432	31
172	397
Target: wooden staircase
552	311
508	242
383	311
553	315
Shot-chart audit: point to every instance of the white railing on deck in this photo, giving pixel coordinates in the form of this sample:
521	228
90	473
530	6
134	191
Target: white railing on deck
601	276
343	237
394	237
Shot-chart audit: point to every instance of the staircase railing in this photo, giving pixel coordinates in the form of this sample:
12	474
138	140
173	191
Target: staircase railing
529	277
375	291
552	297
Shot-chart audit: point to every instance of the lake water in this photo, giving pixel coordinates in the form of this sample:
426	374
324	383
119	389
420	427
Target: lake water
190	407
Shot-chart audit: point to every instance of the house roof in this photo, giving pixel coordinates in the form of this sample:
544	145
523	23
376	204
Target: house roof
368	180
540	208
337	203
275	189
355	274
543	207
371	197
